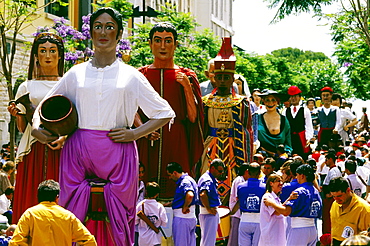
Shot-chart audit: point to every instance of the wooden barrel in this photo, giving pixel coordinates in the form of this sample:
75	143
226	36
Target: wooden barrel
59	115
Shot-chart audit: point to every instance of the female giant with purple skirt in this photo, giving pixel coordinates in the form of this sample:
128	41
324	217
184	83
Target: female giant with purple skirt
107	93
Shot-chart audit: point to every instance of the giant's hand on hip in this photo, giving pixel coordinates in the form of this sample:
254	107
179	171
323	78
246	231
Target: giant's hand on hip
121	135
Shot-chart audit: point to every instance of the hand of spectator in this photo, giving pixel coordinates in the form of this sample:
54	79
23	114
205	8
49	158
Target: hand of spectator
335	131
294	195
212	211
268	201
185	210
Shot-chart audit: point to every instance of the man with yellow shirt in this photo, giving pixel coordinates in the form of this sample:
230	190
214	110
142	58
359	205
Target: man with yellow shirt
350	212
49	224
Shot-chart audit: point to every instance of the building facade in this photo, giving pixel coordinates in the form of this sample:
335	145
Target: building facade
213	14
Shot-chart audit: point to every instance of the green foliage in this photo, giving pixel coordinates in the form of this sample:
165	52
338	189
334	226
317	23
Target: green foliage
295	55
277	73
352	53
288	7
264	72
122	6
310	76
194	51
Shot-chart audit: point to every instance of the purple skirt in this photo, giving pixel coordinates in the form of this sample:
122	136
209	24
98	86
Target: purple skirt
90	154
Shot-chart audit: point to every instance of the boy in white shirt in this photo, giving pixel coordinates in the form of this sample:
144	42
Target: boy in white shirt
155	212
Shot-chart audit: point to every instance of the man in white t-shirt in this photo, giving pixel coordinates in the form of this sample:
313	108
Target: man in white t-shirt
327	198
354	180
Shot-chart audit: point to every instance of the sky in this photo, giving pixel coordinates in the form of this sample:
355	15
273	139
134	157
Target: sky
254	33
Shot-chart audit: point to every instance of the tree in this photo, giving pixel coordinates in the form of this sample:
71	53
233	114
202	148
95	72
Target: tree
310	76
295	55
352	53
14	17
359	11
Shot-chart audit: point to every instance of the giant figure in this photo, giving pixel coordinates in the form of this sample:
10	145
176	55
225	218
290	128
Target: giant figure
180	141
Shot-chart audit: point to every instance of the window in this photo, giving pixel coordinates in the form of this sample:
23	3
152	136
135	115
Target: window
57	9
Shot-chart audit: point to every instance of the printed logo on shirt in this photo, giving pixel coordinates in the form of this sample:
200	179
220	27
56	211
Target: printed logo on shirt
253	203
357	192
152	218
314	209
348	232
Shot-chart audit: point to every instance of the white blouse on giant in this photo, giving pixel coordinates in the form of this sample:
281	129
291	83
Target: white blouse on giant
109	97
37	89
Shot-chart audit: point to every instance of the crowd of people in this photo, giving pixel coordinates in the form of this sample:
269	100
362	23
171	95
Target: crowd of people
280	163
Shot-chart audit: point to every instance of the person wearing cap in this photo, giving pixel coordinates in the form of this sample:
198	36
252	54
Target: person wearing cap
302	210
329	117
230	129
208	86
180	87
345	116
273	128
350	212
300	122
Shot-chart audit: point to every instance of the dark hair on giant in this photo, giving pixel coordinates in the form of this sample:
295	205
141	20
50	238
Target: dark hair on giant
161	27
117	17
174	166
152	189
48	191
41	38
338	184
272	178
217	163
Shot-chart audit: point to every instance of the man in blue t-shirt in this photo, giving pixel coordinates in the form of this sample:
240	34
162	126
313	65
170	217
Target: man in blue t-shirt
249	200
183	205
209	201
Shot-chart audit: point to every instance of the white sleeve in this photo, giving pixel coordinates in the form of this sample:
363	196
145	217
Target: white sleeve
163	215
338	121
308	124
